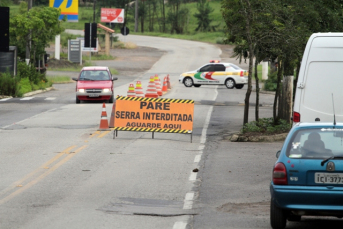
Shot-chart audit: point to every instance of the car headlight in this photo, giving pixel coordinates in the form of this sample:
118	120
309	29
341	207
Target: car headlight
81	90
106	90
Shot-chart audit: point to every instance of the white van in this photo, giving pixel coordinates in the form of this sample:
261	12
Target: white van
320	77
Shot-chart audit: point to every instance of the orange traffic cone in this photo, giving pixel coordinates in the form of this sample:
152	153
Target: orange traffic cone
168	82
165	85
131	91
112	115
151	92
158	85
139	89
103	121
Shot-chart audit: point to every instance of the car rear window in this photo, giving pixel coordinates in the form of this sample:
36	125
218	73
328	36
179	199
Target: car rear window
232	66
94	75
316	143
219	68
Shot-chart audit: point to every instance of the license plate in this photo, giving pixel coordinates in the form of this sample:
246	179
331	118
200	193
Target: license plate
93	95
328	178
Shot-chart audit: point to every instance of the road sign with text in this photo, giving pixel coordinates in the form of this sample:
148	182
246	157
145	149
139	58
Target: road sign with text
112	15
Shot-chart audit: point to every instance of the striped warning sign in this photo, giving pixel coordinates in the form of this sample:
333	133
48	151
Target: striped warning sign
155	99
154	115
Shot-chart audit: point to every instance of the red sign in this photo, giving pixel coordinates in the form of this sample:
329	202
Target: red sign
112	15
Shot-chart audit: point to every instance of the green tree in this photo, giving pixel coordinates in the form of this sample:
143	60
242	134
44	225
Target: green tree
203	16
177	16
276	29
242	21
37	27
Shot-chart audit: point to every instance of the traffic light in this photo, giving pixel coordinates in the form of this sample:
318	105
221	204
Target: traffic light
90	35
4	29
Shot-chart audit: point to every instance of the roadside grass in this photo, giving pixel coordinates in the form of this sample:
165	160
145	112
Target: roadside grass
59	79
78	68
210	37
98	57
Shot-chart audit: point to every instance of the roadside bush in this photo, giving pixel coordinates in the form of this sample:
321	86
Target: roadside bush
27	80
29	71
8	84
25	86
266	126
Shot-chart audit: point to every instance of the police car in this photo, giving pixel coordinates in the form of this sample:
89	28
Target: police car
216	73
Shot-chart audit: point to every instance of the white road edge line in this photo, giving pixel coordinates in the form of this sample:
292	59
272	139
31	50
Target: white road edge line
28	118
207	122
193	177
189	198
27	98
180	225
188	202
197	158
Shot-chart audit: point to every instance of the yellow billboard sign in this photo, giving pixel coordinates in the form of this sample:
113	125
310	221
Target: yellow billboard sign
69	8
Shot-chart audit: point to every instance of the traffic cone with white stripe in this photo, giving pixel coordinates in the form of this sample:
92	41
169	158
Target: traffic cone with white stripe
168	82
158	85
165	85
151	92
112	115
131	92
139	89
103	121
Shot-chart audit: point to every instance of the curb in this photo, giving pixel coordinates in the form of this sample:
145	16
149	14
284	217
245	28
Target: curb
38	91
264	138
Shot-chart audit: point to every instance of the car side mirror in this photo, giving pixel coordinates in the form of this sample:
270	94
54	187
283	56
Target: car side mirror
278	154
75	79
114	78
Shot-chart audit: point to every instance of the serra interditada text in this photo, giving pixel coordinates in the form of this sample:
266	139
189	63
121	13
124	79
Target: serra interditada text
154	116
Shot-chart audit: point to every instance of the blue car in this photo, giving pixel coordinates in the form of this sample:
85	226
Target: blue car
308	174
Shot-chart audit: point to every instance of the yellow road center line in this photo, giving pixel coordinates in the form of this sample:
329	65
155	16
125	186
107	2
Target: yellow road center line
42	176
95	133
44	166
103	134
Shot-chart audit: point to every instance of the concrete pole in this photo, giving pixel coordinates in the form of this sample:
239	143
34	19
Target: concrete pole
107	43
28	45
57	46
264	70
94	11
136	16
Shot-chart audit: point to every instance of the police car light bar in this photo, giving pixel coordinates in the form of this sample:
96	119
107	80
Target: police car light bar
214	61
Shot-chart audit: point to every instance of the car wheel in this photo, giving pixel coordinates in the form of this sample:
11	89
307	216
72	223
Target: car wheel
77	100
277	217
111	99
239	86
197	85
188	82
230	83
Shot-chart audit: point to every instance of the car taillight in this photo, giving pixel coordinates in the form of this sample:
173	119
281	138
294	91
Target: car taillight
280	174
296	117
242	74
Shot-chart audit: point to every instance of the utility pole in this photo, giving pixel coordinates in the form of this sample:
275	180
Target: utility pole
28	44
136	16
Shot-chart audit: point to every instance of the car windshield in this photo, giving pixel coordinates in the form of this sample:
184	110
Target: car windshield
316	143
94	75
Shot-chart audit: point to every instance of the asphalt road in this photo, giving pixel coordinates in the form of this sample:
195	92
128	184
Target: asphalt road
59	171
